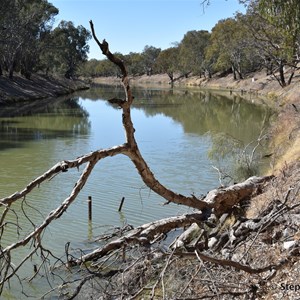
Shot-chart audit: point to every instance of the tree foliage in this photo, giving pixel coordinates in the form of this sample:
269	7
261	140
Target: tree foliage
28	43
192	51
69	47
266	36
23	25
150	55
284	14
275	36
167	62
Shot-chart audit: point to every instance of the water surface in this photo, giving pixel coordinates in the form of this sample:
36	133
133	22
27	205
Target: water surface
174	130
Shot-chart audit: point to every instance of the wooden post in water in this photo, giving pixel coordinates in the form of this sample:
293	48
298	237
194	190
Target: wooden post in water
121	204
90	207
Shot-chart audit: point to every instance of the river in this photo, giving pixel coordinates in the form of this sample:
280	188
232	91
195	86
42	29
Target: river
177	131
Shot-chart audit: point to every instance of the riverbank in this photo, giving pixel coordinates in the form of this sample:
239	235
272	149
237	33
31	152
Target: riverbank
38	87
255	84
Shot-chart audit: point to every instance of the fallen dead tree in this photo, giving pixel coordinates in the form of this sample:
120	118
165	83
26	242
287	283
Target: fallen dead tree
205	261
207	221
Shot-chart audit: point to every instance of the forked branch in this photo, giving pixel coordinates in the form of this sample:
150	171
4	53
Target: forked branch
133	149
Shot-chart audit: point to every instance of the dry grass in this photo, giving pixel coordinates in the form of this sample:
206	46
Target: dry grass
286	137
288	176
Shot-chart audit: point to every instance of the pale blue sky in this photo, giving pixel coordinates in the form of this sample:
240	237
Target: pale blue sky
130	25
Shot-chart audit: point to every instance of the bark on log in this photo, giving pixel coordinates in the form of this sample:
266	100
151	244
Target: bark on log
221	199
225	198
144	234
187	236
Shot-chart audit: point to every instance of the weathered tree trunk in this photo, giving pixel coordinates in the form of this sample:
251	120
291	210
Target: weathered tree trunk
221	199
224	199
234	72
11	70
171	76
291	75
281	74
239	71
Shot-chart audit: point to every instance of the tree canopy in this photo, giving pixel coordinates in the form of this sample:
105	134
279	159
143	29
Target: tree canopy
265	37
68	47
28	43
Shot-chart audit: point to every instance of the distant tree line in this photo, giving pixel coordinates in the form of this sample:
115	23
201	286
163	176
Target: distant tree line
266	37
28	42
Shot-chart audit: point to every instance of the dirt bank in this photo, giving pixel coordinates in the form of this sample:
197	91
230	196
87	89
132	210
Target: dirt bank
38	87
257	84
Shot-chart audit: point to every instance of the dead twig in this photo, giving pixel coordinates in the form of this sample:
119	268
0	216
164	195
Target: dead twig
161	277
236	265
209	275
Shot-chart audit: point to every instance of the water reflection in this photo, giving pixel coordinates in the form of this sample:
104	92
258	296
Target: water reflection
54	118
198	111
205	114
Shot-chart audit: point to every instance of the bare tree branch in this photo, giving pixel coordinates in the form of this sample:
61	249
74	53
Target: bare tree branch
117	247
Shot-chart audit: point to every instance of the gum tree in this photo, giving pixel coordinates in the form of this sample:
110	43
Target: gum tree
22	27
228	47
69	47
167	62
192	51
275	31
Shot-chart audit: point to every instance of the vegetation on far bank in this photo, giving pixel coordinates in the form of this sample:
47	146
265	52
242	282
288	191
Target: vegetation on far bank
266	38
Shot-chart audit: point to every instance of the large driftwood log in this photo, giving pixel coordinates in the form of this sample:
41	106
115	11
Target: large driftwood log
146	233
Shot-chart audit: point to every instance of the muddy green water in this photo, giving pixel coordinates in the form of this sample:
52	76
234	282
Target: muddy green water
175	130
